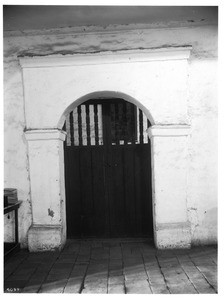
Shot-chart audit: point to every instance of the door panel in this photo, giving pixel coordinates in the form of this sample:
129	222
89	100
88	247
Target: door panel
129	187
107	171
100	226
73	191
116	193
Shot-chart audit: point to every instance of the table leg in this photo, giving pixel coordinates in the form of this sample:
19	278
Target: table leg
16	226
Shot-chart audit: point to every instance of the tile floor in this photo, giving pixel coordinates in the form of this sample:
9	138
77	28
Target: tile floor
115	267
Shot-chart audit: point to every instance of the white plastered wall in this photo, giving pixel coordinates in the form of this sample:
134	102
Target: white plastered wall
203	151
51	84
201	110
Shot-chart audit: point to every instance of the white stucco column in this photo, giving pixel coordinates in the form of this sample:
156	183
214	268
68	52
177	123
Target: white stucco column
169	181
46	163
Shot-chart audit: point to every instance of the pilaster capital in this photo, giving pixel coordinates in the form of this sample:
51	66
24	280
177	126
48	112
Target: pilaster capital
168	130
45	134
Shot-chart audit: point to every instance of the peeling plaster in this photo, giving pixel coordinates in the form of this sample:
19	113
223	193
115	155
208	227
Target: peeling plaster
50	213
202	107
202	38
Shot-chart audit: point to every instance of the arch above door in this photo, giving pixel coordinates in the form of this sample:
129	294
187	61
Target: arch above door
104	95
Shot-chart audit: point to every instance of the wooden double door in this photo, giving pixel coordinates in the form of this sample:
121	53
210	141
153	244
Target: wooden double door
108	171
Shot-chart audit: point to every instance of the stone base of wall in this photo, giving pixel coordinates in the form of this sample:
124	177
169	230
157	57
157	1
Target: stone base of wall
173	235
45	238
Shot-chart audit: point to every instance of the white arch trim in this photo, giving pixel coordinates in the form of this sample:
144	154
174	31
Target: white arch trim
104	95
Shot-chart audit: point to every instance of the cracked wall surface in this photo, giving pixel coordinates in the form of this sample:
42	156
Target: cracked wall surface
201	114
202	181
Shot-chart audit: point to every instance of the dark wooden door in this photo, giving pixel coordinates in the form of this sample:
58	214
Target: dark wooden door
108	171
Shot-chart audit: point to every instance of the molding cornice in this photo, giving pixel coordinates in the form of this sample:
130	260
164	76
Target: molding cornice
49	134
168	130
107	57
112	28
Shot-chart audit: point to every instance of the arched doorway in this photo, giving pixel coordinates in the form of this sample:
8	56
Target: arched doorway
108	170
52	83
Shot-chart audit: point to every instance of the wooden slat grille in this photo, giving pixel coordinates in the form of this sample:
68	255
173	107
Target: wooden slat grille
88	125
96	129
128	125
80	124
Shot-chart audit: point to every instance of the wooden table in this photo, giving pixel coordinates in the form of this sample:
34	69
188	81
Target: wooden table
9	248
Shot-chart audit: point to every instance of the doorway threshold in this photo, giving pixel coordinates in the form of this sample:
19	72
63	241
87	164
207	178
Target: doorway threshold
117	240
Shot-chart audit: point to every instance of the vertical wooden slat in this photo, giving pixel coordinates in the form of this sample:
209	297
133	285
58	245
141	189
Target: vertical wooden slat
148	125
76	133
85	161
120	123
107	139
116	193
64	128
129	122
129	190
145	135
138	188
113	128
133	123
96	124
68	137
87	124
92	126
80	125
98	188
141	126
84	133
125	131
116	124
100	123
71	128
